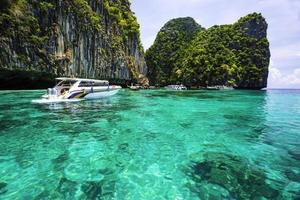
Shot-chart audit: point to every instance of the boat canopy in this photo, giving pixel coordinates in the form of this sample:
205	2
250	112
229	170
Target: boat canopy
81	79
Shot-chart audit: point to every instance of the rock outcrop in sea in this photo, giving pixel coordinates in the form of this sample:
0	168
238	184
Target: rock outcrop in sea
81	38
233	55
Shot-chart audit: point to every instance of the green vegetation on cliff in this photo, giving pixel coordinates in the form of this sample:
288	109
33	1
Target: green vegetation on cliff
17	20
13	10
162	56
123	15
83	38
124	19
234	55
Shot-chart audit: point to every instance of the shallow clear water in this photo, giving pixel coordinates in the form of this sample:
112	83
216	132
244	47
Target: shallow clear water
152	145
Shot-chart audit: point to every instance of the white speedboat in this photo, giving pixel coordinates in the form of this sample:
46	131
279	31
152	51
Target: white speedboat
76	89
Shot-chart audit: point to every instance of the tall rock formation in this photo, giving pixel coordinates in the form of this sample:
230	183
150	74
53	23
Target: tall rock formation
233	55
163	54
80	38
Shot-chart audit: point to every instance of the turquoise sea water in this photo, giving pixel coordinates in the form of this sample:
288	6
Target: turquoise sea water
152	145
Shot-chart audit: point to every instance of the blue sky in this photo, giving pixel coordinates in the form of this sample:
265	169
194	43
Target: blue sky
283	17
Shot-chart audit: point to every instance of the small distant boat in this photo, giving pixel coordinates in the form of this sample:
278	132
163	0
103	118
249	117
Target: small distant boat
213	88
176	87
219	87
75	89
134	87
226	88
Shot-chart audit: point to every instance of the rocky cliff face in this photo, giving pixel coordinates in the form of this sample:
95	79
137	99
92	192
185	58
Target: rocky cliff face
80	38
233	55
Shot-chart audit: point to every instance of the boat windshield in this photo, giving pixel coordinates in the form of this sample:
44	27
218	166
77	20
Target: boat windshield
66	83
92	84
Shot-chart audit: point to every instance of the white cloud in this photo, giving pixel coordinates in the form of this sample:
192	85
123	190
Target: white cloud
275	74
279	80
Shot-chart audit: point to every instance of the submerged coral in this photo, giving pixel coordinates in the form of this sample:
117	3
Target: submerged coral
3	187
230	177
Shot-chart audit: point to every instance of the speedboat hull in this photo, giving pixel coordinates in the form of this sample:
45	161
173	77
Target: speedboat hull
55	100
96	95
103	94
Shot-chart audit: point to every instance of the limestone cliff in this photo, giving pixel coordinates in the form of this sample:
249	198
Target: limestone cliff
234	55
162	56
80	38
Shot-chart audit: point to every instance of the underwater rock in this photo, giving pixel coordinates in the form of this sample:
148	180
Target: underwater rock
185	125
3	187
67	188
123	147
293	175
86	159
291	191
61	158
60	162
232	173
295	154
213	191
43	195
109	187
92	190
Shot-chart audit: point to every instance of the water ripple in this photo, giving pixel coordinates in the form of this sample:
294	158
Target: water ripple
152	145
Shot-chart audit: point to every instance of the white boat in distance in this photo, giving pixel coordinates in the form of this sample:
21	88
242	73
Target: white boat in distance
176	87
219	87
75	89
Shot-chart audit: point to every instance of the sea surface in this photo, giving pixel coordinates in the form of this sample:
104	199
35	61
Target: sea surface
152	145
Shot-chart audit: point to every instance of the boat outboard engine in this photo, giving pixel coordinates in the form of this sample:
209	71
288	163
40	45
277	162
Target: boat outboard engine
52	92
